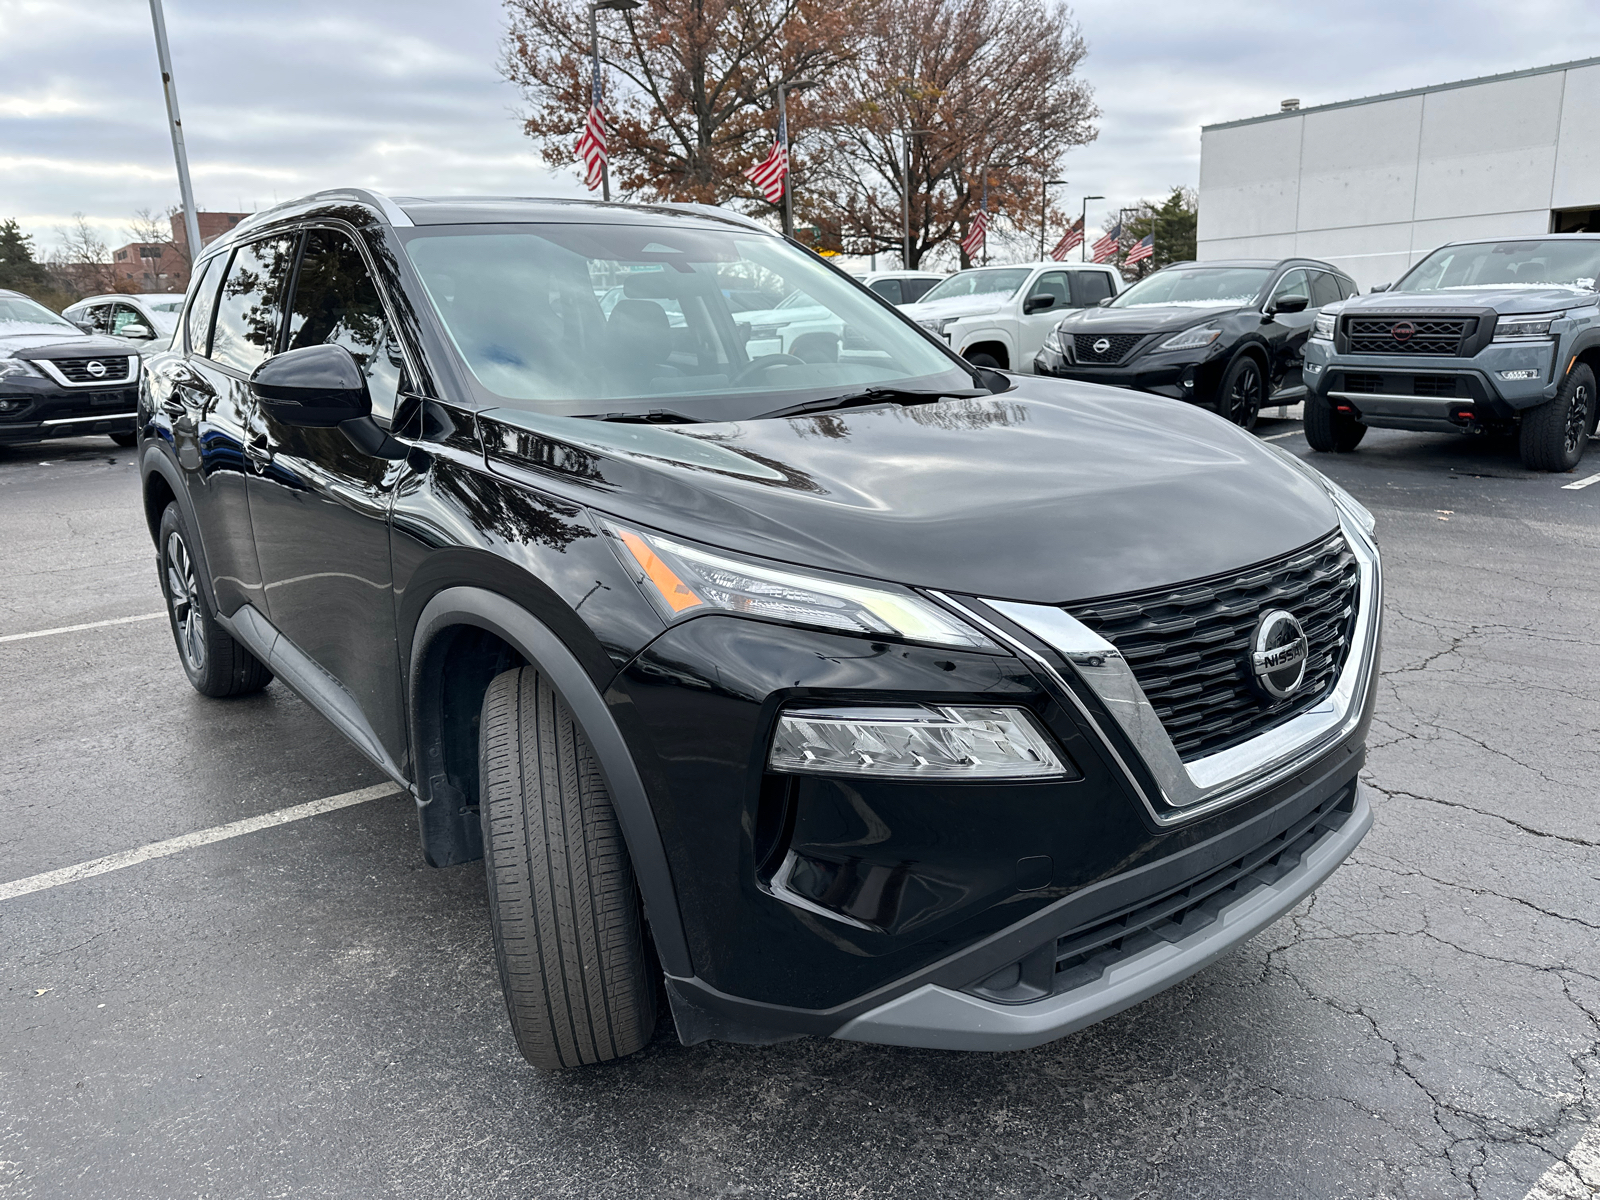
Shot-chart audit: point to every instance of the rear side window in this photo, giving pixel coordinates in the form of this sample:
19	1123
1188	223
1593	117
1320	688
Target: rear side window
889	289
1324	289
197	325
1348	288
99	316
336	302
1089	288
250	307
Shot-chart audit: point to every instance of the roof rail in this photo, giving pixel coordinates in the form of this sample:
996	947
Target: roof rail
711	210
391	211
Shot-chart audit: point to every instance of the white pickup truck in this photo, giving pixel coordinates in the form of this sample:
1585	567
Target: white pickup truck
1000	316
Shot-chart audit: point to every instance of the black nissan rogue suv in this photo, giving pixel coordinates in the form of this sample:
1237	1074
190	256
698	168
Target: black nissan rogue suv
854	690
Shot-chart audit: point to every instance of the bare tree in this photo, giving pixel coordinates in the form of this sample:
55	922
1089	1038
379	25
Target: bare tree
689	83
81	262
981	89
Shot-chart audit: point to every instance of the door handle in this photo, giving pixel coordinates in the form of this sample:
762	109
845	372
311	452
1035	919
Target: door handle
257	450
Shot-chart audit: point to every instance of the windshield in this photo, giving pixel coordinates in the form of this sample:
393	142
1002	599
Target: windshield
19	311
670	328
1552	262
978	283
1196	287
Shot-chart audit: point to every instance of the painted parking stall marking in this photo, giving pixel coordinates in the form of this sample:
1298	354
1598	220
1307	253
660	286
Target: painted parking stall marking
190	841
1581	484
39	633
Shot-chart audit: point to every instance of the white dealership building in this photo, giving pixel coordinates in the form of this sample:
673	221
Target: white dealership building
1372	185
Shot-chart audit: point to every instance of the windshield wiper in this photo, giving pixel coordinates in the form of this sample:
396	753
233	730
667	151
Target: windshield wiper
654	416
877	395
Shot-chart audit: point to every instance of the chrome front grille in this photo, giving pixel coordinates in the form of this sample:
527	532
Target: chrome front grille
112	369
1407	335
1117	346
1189	646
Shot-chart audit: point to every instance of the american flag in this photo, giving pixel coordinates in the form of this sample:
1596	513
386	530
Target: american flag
770	173
976	232
1070	240
1142	251
591	145
1108	245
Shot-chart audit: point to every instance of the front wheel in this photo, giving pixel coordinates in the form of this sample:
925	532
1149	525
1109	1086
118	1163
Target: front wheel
1554	435
1239	398
980	359
567	922
124	439
215	662
1329	431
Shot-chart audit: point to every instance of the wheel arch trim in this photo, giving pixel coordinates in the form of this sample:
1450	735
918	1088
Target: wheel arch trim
154	461
542	648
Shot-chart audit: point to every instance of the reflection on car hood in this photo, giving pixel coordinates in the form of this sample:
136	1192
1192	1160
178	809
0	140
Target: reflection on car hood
1052	492
1501	299
954	306
1143	318
64	343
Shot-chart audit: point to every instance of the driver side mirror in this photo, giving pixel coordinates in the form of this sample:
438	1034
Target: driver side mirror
1285	304
1038	303
86	326
1104	302
1382	287
137	331
315	387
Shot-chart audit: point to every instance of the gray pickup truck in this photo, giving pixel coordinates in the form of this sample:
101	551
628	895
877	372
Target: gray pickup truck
1494	337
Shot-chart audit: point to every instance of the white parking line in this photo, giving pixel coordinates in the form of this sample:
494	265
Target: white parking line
1273	437
38	633
1577	1178
1581	484
188	841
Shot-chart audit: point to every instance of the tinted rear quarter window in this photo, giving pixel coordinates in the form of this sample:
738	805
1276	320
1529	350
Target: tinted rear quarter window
1089	288
197	324
1324	289
250	306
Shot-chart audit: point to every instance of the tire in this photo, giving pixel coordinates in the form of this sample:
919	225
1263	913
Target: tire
216	663
1555	435
567	921
980	359
1239	398
1327	431
124	439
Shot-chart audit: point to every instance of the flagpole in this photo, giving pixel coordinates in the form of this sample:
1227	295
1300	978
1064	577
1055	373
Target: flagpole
1083	223
783	136
985	210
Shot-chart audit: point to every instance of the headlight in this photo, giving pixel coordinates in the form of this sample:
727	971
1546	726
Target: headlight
1191	339
13	367
1534	325
916	742
1054	343
1322	328
683	581
1342	500
937	325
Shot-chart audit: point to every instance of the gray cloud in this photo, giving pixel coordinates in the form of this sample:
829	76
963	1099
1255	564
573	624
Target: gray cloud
281	98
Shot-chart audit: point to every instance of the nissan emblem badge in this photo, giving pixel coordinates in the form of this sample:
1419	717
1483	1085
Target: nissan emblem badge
1278	654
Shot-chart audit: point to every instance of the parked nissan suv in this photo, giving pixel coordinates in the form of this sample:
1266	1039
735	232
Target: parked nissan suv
869	694
1494	337
58	381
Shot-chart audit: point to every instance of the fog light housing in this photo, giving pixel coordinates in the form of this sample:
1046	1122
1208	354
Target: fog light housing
1525	373
917	742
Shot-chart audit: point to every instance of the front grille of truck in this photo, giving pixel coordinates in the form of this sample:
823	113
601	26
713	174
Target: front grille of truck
1427	335
1366	385
1121	343
1189	645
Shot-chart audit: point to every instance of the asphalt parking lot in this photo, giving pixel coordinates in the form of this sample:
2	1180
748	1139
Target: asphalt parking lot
307	1009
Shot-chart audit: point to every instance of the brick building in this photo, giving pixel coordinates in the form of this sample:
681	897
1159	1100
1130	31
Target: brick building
164	266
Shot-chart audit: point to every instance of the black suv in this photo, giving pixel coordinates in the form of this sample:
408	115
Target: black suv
854	690
1226	334
58	381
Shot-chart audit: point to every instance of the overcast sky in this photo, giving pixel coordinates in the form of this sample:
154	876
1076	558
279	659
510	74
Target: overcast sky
282	97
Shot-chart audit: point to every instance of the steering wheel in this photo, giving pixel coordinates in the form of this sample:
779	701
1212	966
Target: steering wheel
762	362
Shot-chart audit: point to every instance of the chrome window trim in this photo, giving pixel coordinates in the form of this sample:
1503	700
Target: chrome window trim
55	374
1190	790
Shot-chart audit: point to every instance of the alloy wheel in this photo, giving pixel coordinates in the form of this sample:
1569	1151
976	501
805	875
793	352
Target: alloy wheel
183	600
1244	400
1577	418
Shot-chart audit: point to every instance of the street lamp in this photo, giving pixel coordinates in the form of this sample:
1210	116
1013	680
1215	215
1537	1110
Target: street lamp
905	200
594	54
1044	205
788	174
1083	226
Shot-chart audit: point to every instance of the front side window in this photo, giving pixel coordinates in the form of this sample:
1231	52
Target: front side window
99	317
670	331
1054	285
197	326
1293	283
336	303
997	282
1325	289
123	315
1535	263
250	306
1196	287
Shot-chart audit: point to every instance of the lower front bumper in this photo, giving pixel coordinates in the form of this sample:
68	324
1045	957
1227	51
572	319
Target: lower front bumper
1118	976
46	411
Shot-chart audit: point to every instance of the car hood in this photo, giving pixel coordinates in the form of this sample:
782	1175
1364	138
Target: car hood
1146	318
1052	492
1501	299
954	306
39	344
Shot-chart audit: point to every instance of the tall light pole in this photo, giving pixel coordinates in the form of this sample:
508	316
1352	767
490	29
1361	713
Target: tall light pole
191	222
1044	206
1083	224
788	174
905	200
594	57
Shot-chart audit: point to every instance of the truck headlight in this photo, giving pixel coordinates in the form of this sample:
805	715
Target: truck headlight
1534	325
1322	327
687	581
14	367
916	742
1055	343
1191	339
